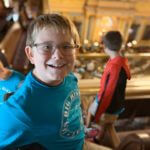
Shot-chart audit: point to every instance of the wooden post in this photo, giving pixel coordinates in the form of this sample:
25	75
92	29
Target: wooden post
108	120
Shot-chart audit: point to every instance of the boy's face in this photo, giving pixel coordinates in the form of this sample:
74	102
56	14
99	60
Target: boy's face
52	55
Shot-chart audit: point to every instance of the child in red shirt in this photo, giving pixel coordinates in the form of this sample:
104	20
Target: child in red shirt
110	98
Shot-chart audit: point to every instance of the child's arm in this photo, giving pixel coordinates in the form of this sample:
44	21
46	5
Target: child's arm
13	129
91	111
88	119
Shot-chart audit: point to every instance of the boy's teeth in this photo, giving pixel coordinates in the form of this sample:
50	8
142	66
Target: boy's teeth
56	65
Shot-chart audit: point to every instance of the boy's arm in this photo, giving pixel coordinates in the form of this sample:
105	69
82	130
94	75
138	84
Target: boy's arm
12	130
109	88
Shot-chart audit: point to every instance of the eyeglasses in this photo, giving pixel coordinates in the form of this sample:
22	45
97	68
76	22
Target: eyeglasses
49	48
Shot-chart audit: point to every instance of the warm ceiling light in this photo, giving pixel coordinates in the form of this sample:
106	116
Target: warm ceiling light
96	44
86	41
3	51
6	3
129	44
134	42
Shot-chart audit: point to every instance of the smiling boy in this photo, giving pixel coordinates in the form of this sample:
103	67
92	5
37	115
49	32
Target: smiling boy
46	109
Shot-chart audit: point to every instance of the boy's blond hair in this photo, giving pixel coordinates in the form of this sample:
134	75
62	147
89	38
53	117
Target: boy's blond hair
56	21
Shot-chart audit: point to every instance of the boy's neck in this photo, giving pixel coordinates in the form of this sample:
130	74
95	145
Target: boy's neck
48	83
112	54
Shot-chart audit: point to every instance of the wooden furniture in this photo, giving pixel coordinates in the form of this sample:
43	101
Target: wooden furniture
107	121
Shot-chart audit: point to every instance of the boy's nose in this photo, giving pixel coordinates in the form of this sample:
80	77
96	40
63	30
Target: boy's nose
57	53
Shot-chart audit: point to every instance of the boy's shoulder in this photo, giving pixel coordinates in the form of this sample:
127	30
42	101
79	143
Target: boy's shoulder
18	75
118	61
112	67
72	76
115	64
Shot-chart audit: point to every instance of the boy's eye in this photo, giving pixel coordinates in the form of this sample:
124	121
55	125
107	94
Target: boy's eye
67	47
47	47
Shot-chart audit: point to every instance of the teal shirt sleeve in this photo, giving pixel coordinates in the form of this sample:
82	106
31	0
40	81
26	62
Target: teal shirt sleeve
11	84
12	129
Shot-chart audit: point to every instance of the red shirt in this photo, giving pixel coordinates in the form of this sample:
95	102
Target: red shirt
113	83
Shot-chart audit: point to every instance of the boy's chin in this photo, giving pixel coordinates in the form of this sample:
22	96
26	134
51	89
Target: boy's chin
58	75
55	81
56	78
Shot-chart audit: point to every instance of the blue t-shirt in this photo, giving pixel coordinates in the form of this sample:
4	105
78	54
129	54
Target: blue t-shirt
47	115
11	84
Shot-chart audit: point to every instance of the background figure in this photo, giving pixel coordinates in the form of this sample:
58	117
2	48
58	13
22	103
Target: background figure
110	98
10	80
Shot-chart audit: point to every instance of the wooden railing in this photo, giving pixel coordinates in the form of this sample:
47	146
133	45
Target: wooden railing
137	88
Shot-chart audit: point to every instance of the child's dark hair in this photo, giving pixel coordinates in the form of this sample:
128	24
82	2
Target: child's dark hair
113	40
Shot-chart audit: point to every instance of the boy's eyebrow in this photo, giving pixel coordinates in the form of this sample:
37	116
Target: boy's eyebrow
47	42
44	42
51	42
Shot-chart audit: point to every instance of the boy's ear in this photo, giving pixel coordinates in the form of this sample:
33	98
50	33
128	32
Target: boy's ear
29	54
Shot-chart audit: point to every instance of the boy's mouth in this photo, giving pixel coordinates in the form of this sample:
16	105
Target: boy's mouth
56	66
